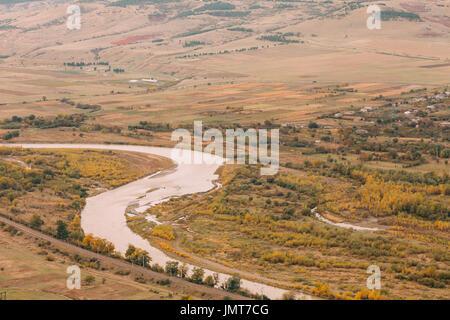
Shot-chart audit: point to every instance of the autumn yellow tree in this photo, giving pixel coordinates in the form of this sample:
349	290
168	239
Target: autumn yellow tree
98	245
76	233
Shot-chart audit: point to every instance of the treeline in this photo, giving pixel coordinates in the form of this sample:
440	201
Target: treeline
85	64
278	38
393	15
156	16
382	198
229	14
256	210
358	141
218	9
15	1
193	43
240	29
7	27
156	127
63	176
73	120
125	3
216	6
175	269
15	179
84	106
386	193
10	135
359	172
216	53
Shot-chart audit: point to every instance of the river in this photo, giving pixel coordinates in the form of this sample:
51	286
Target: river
104	214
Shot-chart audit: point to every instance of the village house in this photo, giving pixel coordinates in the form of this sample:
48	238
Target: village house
361	132
367	109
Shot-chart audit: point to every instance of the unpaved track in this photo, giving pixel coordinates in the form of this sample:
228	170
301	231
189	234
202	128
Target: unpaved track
120	263
344	225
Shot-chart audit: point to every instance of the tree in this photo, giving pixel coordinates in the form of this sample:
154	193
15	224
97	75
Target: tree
131	249
209	281
288	213
306	212
183	270
233	283
445	153
98	244
76	233
313	125
290	295
36	222
77	203
138	256
61	230
216	278
172	268
88	280
197	275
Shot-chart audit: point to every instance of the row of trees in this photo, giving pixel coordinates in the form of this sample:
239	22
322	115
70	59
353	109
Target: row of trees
175	269
83	64
135	255
10	135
